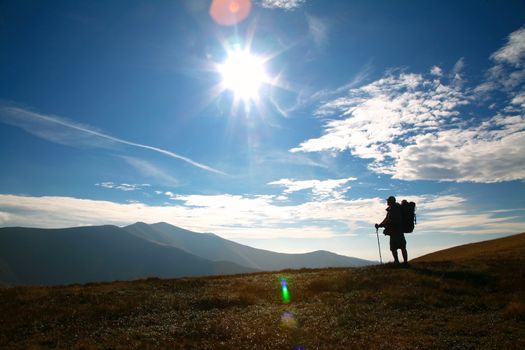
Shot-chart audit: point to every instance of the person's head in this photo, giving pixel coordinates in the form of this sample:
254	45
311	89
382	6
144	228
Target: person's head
391	200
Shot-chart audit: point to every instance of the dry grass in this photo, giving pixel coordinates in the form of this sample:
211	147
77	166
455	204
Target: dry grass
477	303
515	310
504	245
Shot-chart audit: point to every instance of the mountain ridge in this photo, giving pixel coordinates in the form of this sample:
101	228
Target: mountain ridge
85	254
93	254
214	247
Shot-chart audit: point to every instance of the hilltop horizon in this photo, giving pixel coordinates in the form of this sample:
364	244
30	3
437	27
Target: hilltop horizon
384	240
108	252
144	223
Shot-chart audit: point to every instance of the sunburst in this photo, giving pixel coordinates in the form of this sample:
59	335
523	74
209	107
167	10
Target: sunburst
243	73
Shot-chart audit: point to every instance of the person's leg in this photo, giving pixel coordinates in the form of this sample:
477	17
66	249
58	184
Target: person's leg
405	255
396	257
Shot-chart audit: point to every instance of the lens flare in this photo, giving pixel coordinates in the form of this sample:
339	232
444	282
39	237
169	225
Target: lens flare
288	320
285	292
230	12
234	7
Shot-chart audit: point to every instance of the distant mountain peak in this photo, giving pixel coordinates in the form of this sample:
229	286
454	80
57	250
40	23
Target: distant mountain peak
320	251
156	224
162	223
165	224
138	223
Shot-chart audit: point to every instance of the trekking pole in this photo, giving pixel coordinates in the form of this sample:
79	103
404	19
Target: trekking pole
379	246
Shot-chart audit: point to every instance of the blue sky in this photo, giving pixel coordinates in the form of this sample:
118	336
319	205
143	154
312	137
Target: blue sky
116	112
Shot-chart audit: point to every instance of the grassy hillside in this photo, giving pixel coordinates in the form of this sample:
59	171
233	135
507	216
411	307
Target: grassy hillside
506	245
476	303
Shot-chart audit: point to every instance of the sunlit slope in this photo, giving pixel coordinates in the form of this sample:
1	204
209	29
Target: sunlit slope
502	246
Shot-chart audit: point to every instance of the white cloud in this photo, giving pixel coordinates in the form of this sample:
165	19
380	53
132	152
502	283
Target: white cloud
66	132
435	70
106	184
4	219
410	127
514	50
235	216
519	100
476	154
282	4
508	71
303	232
321	189
378	118
122	187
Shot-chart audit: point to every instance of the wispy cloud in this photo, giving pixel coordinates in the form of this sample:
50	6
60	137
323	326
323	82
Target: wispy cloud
321	189
519	101
309	97
456	76
150	170
122	187
508	71
63	131
318	30
411	126
287	158
514	50
281	4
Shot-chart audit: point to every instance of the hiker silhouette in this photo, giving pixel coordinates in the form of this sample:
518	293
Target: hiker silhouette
393	224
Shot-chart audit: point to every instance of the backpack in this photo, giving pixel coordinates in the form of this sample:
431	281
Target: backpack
408	213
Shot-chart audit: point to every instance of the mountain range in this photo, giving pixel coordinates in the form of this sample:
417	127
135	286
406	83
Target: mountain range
32	256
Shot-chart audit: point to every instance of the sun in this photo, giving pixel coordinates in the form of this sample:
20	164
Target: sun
244	74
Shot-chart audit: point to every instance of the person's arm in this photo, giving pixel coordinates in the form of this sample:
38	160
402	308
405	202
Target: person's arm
385	221
382	224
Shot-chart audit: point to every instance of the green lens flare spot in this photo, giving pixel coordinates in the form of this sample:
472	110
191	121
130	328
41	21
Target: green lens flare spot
285	292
